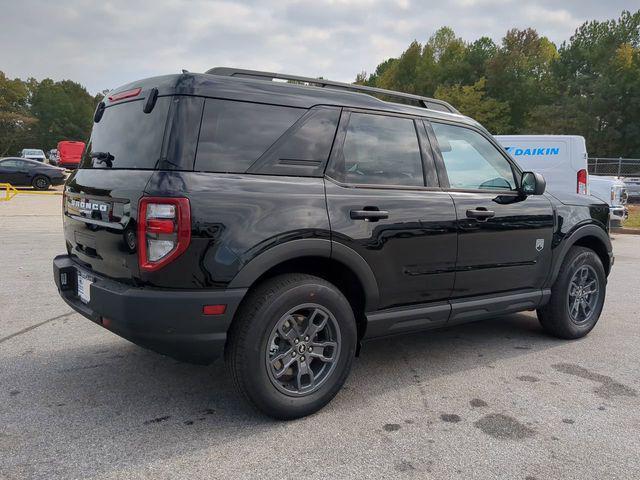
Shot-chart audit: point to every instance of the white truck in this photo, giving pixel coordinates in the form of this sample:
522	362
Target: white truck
613	191
562	160
33	154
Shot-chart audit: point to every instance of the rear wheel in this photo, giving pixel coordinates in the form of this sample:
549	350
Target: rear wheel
291	346
577	296
40	182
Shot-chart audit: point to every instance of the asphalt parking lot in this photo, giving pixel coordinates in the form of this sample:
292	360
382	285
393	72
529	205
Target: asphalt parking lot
496	399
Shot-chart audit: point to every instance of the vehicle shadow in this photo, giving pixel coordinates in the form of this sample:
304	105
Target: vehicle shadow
141	406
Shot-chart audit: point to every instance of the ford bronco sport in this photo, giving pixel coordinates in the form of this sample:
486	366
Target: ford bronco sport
285	223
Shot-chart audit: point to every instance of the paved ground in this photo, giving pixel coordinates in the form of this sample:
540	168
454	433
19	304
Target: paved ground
496	399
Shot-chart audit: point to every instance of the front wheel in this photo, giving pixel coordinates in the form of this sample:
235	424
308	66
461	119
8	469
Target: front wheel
577	296
291	345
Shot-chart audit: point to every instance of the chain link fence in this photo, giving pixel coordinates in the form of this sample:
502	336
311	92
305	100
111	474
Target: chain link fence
619	167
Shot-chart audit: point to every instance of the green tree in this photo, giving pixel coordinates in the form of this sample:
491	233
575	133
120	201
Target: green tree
472	100
15	120
520	73
64	111
598	74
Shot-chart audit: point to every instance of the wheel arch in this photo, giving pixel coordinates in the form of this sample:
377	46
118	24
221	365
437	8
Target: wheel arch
590	236
334	262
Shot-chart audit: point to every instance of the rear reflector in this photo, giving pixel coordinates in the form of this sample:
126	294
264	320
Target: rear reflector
126	94
214	309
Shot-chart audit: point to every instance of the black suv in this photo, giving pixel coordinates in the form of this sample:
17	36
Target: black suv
285	222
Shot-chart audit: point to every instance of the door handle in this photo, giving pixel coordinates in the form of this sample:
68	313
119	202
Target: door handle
481	214
369	215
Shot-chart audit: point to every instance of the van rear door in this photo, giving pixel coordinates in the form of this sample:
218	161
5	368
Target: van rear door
70	153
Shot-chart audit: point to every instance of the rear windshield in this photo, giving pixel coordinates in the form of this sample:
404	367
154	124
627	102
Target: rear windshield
126	137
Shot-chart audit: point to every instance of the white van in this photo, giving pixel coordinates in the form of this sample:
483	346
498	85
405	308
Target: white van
561	159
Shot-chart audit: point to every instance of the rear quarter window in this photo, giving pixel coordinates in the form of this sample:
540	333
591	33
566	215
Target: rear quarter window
233	135
304	149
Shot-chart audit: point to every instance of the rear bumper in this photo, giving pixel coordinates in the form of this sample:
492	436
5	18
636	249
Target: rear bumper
170	322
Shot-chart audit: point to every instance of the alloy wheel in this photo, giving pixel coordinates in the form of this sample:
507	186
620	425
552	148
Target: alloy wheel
583	294
303	349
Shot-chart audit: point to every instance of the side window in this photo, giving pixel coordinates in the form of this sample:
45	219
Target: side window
380	150
305	148
9	163
233	135
472	162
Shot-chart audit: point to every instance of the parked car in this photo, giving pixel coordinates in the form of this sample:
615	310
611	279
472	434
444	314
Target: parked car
53	156
561	159
284	224
632	184
33	154
612	191
70	153
25	172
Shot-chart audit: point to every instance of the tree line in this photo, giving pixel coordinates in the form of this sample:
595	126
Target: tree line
589	85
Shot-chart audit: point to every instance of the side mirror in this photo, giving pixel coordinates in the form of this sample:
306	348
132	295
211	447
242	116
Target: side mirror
532	183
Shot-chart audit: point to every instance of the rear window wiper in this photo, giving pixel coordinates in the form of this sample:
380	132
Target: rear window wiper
103	157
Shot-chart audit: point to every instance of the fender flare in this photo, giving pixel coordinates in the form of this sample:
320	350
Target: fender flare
311	247
570	240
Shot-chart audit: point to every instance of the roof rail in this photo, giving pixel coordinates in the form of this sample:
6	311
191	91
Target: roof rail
426	102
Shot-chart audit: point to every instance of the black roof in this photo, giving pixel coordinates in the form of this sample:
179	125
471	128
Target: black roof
251	89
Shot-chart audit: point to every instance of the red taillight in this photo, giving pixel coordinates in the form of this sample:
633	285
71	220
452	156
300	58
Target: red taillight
126	94
164	230
582	182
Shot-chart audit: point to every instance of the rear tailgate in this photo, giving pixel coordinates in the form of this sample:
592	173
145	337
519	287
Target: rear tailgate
100	218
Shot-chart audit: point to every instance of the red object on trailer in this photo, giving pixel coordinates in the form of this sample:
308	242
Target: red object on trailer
70	153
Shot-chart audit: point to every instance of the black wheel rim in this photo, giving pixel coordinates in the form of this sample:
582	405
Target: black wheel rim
583	294
303	349
41	183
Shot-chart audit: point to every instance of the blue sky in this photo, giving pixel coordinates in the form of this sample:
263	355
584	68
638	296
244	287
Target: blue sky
107	43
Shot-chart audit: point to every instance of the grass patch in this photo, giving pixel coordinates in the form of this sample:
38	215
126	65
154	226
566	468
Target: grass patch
634	216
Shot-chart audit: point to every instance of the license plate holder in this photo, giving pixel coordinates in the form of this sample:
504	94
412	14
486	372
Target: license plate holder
84	287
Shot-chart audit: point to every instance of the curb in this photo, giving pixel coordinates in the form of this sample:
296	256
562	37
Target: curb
626	231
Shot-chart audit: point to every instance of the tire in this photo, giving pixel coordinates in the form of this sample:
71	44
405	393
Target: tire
558	317
41	182
270	326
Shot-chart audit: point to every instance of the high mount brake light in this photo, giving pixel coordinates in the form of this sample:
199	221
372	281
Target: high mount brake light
582	182
164	230
126	94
